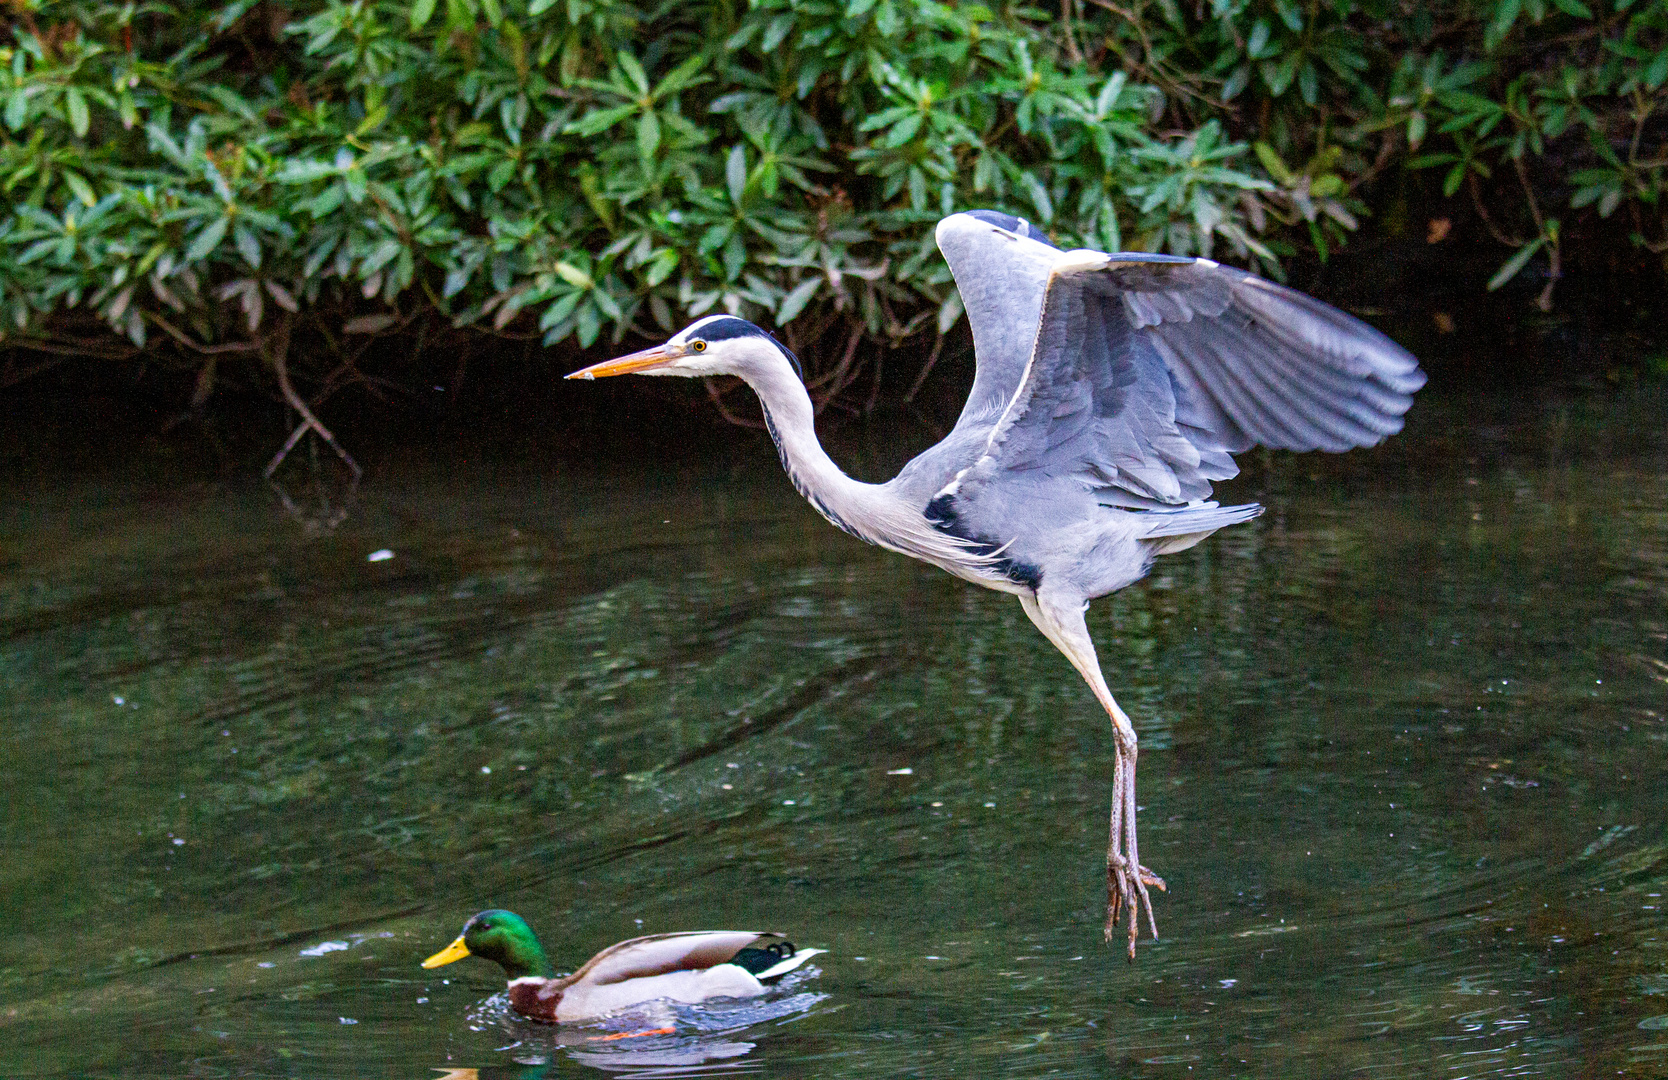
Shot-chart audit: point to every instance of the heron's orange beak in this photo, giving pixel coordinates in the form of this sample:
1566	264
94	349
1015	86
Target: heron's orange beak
637	361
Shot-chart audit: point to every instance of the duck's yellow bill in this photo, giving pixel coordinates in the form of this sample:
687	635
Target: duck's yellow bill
457	950
625	365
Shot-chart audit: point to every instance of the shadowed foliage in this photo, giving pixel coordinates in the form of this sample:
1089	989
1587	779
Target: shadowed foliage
210	184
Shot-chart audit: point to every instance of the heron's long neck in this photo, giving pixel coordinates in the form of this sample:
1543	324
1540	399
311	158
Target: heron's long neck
792	424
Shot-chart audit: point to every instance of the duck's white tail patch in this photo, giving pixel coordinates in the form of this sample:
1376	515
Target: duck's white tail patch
787	965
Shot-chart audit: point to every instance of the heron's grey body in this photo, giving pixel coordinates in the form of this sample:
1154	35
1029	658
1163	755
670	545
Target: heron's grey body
1111	391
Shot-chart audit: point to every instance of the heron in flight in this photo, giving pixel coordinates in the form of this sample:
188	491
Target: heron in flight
1110	391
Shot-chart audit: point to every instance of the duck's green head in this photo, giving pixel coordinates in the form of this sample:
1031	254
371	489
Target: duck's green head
502	936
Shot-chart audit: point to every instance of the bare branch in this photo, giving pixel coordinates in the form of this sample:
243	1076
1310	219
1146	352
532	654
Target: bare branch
206	350
932	358
717	397
837	379
275	349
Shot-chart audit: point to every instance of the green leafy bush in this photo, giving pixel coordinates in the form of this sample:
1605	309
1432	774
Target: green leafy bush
1532	109
206	181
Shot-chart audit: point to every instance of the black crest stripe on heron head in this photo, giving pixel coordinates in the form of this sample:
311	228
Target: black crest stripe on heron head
725	327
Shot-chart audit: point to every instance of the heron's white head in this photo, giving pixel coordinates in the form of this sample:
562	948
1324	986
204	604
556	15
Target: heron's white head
715	345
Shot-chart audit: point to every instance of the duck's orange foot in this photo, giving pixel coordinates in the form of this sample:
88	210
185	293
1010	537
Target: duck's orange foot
633	1034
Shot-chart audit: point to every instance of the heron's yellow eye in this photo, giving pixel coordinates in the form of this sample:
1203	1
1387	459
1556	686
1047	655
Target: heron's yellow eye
698	346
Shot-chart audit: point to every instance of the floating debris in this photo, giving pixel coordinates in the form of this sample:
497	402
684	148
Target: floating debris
324	947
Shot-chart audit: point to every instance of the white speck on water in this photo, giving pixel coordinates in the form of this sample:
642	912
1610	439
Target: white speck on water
727	787
938	804
347	1019
905	771
118	699
860	958
486	769
639	922
266	964
731	765
990	806
934	958
324	947
379	555
422	1001
787	802
178	841
1225	983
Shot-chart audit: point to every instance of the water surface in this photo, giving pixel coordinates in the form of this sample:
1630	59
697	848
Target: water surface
1405	755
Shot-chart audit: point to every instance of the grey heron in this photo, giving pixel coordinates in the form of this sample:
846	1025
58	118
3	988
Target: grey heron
1110	392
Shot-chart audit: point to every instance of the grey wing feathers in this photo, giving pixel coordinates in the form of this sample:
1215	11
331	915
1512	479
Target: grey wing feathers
1001	268
1264	364
1098	404
1148	371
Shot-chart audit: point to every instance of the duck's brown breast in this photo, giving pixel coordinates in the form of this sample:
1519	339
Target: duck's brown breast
535	998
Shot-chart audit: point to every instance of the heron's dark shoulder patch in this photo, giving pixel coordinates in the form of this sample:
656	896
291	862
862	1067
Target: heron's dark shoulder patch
942	514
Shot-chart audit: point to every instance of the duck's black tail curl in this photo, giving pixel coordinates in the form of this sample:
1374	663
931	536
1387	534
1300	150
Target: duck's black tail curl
761	958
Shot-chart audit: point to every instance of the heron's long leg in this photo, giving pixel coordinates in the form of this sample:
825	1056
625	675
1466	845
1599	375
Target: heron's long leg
1060	618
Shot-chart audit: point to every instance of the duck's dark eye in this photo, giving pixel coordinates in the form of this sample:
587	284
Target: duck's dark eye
698	346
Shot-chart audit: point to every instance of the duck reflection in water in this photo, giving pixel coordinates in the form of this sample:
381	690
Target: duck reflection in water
679	1056
662	1040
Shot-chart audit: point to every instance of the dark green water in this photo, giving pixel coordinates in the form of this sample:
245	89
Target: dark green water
1405	769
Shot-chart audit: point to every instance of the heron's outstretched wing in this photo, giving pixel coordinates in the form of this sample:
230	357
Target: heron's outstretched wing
1147	371
1001	266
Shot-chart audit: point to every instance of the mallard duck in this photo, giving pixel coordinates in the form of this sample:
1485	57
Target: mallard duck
688	967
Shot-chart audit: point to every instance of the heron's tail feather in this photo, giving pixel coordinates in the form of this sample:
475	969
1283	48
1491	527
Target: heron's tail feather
1177	530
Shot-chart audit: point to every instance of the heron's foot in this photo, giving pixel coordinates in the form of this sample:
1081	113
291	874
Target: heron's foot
1127	880
1126	892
